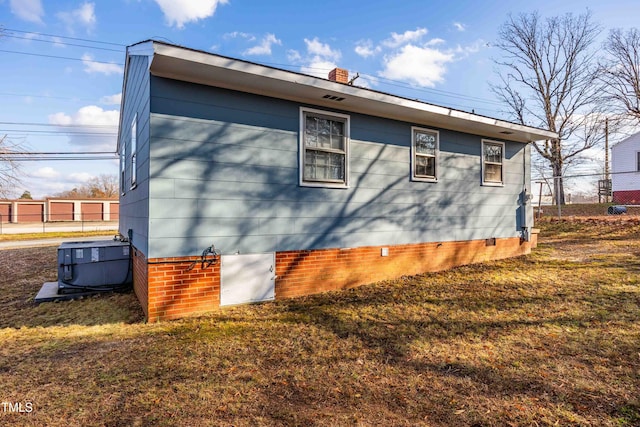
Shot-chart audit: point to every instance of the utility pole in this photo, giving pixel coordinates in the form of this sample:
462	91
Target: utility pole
606	159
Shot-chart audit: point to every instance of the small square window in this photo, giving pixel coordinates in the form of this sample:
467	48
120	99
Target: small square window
492	163
424	154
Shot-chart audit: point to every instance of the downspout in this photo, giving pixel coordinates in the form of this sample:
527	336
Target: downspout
525	198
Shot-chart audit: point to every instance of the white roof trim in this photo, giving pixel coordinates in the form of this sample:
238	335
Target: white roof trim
214	70
635	138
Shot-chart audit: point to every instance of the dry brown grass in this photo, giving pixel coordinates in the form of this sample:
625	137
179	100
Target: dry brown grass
55	234
548	339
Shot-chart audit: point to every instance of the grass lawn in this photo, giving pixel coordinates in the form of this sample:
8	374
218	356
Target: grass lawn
548	339
54	235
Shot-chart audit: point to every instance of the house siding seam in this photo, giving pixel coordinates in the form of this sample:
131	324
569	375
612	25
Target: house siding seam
175	292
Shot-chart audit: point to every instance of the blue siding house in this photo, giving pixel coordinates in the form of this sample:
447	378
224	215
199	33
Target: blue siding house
297	184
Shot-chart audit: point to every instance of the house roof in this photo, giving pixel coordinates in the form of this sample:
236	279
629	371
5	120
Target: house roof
633	140
181	63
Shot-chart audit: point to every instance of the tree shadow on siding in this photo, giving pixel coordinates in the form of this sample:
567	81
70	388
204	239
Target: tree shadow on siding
235	185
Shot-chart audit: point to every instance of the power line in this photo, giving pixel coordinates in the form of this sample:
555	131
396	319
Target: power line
64	44
66	98
56	125
20	132
58	158
371	78
21	153
65	37
45	156
386	81
61	57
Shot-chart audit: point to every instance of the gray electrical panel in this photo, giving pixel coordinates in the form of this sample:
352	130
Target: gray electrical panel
94	265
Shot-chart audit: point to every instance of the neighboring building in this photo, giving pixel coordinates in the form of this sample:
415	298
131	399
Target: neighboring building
304	184
58	209
625	168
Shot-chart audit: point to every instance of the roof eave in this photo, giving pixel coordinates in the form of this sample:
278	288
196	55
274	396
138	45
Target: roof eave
200	67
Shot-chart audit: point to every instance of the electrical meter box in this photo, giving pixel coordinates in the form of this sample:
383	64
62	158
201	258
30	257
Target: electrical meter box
93	265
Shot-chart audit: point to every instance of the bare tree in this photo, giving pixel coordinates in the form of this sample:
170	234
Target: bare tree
9	168
548	75
621	71
104	186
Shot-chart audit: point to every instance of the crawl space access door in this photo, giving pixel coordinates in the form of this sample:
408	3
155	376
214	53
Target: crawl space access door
247	278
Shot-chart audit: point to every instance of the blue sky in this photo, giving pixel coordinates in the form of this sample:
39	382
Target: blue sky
62	60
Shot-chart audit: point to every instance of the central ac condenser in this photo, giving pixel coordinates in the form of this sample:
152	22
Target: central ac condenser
94	265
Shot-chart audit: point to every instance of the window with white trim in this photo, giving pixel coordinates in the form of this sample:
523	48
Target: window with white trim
424	154
134	150
492	162
123	160
324	149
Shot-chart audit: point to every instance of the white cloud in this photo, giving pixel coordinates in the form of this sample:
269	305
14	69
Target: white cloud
80	177
99	126
318	67
180	12
57	41
316	48
60	119
410	57
46	172
111	99
83	16
419	65
48	181
90	66
239	34
434	42
365	48
264	48
294	56
398	40
28	10
464	51
459	26
318	60
87	116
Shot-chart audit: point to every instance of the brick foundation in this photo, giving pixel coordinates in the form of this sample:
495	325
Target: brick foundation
167	289
307	272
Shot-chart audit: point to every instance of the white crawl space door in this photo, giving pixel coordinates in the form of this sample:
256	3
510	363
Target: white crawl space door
247	278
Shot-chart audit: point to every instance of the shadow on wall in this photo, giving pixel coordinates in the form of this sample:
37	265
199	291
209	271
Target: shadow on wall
237	186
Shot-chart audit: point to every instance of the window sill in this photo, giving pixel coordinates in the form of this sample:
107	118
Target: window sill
423	179
493	184
323	185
